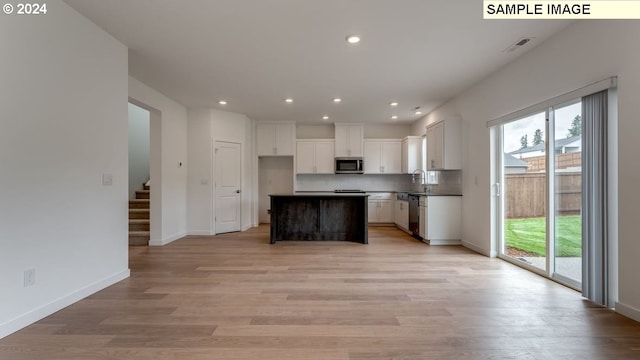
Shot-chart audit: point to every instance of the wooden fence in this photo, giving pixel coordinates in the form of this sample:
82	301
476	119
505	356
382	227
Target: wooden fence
526	196
563	161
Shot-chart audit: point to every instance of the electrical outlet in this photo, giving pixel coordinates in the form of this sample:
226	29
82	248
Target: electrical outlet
29	277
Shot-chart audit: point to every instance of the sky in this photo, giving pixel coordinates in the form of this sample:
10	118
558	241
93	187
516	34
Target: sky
513	131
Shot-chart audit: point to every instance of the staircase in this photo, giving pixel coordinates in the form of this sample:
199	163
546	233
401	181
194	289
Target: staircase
139	230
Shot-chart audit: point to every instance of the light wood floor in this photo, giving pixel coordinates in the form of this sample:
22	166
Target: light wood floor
237	297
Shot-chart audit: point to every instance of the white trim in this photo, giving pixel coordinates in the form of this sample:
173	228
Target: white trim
601	85
444	242
479	250
167	240
628	311
199	233
43	311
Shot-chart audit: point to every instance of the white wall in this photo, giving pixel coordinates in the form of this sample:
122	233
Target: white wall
168	162
200	182
386	131
586	52
371	131
139	148
63	97
206	126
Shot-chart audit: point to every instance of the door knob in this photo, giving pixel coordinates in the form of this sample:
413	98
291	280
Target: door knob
237	191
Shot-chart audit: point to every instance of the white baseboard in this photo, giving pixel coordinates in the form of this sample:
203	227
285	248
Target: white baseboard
200	233
479	250
628	311
444	242
43	311
167	240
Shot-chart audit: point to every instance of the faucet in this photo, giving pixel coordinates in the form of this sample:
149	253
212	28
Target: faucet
423	176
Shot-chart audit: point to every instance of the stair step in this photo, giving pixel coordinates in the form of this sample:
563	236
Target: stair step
139	225
139	238
146	187
143	194
138	213
139	204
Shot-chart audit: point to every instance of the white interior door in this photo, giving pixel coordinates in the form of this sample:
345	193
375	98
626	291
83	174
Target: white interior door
227	187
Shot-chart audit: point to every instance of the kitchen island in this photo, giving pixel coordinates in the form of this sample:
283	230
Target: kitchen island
319	216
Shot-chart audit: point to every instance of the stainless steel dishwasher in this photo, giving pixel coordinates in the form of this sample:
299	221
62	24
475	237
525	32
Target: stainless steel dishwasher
414	214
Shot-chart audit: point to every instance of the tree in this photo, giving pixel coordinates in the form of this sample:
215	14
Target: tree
537	137
524	142
576	127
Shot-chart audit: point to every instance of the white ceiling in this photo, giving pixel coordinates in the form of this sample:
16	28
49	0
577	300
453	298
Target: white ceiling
255	53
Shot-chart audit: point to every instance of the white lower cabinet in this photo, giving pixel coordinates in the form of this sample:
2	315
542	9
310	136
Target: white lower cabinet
380	208
401	214
442	223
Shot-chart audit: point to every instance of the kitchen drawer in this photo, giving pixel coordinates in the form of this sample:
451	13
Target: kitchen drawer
381	196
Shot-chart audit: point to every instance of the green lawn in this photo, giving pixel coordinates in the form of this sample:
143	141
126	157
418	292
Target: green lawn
528	234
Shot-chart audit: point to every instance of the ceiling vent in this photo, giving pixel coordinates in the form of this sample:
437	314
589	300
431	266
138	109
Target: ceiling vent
518	44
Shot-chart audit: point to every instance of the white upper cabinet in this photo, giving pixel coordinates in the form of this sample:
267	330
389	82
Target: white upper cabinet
411	154
348	140
275	139
444	145
314	157
382	156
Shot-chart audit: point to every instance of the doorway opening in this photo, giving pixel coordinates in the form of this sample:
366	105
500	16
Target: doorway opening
139	175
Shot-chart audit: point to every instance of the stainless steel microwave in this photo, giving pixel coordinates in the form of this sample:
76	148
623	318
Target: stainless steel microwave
349	165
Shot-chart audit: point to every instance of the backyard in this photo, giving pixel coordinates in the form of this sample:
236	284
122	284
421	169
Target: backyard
527	236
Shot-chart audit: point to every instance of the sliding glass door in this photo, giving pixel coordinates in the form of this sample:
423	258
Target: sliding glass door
554	173
541	192
567	197
524	191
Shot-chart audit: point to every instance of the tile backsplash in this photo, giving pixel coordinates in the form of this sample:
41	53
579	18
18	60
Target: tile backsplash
330	182
449	182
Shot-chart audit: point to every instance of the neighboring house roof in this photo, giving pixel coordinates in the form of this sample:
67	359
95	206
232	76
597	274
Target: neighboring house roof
560	143
511	161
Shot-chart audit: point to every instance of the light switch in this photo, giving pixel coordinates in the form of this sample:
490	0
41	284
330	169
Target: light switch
107	179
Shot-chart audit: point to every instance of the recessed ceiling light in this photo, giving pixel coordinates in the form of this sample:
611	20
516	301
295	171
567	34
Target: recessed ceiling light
418	112
353	39
288	100
337	100
325	117
394	104
222	102
394	117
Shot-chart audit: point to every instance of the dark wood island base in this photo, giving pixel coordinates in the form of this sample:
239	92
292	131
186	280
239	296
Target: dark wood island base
319	216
